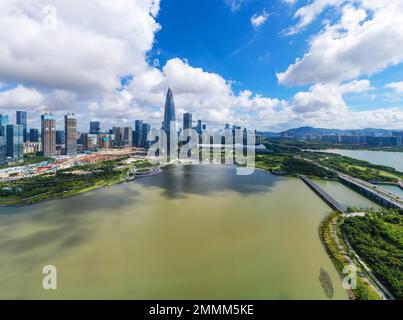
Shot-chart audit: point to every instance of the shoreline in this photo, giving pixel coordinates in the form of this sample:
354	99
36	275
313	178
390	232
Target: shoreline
335	247
22	202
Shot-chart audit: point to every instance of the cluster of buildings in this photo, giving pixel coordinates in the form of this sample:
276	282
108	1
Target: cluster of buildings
396	139
16	140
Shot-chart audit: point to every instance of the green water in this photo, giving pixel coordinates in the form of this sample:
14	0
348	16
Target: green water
393	189
346	196
384	158
189	233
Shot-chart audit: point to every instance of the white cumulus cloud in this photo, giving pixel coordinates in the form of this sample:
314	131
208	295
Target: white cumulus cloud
366	40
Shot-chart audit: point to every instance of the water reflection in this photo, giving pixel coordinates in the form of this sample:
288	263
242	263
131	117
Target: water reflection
179	181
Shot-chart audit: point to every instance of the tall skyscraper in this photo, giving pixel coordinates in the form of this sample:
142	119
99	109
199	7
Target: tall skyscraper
21	117
3	151
15	142
3	125
95	127
118	132
128	136
169	116
60	137
70	130
34	135
48	134
138	132
199	127
145	131
187	121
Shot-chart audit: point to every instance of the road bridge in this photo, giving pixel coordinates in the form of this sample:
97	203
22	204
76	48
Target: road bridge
324	195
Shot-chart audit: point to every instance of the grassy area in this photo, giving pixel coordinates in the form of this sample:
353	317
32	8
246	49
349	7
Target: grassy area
287	157
291	165
62	184
315	145
67	182
340	259
378	240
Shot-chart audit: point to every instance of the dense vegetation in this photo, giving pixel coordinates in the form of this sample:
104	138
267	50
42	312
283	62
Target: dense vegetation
284	149
67	182
316	145
340	259
378	240
61	184
356	168
289	164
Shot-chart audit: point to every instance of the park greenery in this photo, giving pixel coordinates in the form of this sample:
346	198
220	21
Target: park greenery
317	145
288	157
330	229
356	168
378	240
66	182
290	165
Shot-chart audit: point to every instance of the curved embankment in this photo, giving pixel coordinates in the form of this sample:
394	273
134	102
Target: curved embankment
329	233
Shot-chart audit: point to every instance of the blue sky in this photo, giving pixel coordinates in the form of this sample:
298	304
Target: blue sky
270	65
220	40
212	36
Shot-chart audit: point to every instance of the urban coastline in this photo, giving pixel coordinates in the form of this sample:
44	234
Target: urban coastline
59	164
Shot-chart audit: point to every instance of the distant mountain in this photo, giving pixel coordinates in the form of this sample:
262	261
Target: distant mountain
303	131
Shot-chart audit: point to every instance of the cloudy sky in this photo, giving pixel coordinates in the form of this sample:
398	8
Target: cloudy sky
266	64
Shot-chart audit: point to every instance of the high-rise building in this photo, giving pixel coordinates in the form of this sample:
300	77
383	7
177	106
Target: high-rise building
187	121
70	129
3	125
103	141
21	117
138	132
118	132
48	134
90	142
3	151
169	118
3	138
15	142
34	135
199	127
145	131
128	136
95	127
60	137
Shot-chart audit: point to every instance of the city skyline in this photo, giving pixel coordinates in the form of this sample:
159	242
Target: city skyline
262	66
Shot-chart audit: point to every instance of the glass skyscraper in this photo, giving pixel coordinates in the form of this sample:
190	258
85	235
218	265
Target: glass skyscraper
145	131
3	138
95	127
3	124
21	117
15	142
169	116
34	135
138	132
187	121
